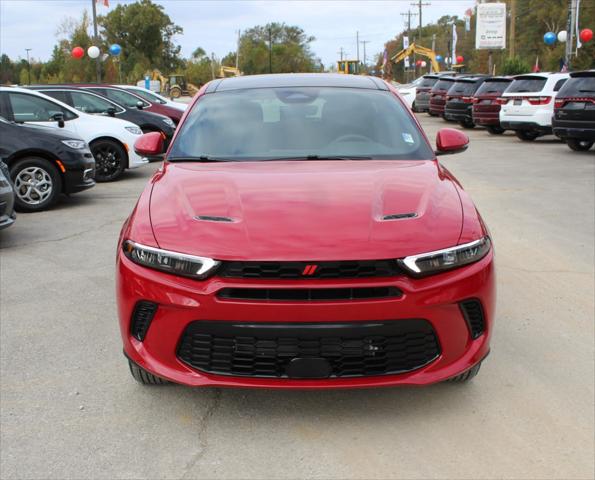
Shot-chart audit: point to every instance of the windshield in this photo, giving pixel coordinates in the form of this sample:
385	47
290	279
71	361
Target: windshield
428	82
148	96
578	87
442	85
493	86
123	98
521	85
306	123
462	88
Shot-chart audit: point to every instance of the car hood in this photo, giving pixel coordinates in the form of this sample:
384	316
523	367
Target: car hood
317	210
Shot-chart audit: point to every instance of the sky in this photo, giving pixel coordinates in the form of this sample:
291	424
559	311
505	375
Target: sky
213	25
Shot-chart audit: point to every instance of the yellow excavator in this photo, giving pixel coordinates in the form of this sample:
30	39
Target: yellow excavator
418	50
175	85
225	71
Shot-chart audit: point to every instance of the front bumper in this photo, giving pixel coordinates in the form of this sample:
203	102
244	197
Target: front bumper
184	301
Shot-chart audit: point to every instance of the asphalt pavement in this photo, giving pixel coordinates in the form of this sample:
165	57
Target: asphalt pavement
70	409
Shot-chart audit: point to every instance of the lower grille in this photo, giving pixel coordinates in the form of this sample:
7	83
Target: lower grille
308	294
332	349
473	313
141	319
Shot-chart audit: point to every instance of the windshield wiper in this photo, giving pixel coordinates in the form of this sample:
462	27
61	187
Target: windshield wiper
323	157
199	158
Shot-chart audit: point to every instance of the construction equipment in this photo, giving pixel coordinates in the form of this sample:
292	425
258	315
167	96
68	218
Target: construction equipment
418	50
348	67
225	71
174	85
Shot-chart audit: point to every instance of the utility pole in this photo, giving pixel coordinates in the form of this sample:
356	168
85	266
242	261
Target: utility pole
238	52
409	14
28	66
213	65
96	41
433	50
512	27
270	50
363	42
420	5
572	4
357	45
341	53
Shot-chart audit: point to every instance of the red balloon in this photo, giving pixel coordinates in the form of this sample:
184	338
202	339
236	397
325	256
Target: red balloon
418	63
586	35
460	59
78	52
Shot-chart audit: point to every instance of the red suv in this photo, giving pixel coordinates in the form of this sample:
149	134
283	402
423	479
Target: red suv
438	96
486	106
302	234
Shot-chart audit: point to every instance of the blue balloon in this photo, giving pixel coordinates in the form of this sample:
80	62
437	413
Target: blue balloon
439	58
115	49
549	38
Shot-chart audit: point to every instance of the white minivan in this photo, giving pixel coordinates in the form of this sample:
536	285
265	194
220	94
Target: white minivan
111	140
528	104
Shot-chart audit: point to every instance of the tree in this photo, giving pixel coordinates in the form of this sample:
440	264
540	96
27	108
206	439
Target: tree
199	69
146	35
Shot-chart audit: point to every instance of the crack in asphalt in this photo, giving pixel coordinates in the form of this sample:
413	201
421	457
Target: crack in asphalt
61	239
202	433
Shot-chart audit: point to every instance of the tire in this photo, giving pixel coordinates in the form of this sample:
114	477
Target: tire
110	160
175	92
526	135
495	130
432	114
414	108
579	145
37	184
144	377
467	124
466	376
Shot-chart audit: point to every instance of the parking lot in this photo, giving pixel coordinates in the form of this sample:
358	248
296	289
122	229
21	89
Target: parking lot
69	408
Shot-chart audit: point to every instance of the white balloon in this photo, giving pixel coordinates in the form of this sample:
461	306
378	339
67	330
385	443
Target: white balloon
93	51
423	64
562	35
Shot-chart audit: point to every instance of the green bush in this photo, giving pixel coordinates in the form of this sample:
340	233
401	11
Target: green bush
515	66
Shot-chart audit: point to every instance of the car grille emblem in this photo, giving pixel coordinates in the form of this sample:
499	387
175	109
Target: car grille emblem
309	270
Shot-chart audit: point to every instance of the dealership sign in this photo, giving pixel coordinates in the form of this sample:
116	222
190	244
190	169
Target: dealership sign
490	31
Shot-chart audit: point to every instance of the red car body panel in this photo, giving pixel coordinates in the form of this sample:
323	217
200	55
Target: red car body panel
485	110
306	211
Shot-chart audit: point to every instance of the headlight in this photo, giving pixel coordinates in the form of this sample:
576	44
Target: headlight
169	122
134	130
170	262
76	144
447	259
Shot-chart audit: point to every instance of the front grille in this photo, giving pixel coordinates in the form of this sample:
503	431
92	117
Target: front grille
308	294
141	319
473	313
344	349
292	270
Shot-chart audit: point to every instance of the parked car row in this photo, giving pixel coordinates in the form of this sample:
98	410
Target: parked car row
531	105
61	139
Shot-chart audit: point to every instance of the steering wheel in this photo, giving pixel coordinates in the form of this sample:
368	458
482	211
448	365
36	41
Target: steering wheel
351	137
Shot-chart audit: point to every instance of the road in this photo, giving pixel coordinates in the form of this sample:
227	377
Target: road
69	408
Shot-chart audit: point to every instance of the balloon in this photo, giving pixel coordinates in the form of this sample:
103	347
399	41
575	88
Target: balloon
460	59
439	58
115	49
562	35
549	38
93	51
423	64
418	63
77	52
586	35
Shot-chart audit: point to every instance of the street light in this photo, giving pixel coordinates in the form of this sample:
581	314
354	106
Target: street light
28	65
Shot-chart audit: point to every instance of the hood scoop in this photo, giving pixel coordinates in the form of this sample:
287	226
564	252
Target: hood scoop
399	216
212	218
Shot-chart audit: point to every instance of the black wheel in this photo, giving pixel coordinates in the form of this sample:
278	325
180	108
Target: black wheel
496	130
144	377
579	145
431	114
413	107
110	160
37	184
467	124
175	92
466	376
526	135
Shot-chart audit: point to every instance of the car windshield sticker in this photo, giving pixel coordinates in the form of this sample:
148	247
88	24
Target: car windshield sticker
408	138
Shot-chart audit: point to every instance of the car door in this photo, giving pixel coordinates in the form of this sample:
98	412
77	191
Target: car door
26	108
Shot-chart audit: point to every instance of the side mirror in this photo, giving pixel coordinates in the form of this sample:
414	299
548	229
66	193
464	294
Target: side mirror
450	141
59	117
111	111
139	105
149	145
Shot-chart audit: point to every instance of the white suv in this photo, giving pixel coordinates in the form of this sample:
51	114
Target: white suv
111	140
528	104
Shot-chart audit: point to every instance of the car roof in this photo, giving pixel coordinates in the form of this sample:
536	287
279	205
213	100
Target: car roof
296	80
584	73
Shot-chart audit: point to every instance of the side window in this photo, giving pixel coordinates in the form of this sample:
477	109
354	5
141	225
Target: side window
30	108
58	95
559	84
85	102
124	98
